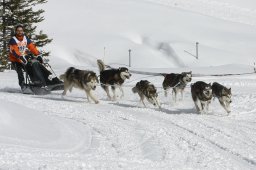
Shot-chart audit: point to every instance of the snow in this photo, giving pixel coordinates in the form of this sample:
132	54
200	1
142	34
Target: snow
27	127
50	132
145	27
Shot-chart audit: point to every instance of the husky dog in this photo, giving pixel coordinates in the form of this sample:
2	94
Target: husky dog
223	94
82	79
146	89
201	95
112	77
176	81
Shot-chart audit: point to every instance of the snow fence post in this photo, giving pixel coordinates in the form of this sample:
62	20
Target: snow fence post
104	54
197	43
130	57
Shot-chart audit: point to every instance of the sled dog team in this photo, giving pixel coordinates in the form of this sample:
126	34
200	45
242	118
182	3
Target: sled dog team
202	93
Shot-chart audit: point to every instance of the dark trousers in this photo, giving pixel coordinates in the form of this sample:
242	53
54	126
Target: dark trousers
19	69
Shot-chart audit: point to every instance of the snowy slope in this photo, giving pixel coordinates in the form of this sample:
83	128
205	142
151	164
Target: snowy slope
158	32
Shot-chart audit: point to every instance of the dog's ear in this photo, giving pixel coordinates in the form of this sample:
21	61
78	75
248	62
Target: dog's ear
210	84
229	90
223	91
86	77
190	72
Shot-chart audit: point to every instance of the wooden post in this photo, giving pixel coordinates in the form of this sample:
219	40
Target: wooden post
130	64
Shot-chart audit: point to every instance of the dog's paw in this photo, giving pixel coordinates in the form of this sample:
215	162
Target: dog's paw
97	102
62	96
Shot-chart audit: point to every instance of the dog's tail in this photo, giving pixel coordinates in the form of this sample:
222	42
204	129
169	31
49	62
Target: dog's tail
135	90
101	65
68	72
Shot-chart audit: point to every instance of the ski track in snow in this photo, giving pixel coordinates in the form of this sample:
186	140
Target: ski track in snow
124	135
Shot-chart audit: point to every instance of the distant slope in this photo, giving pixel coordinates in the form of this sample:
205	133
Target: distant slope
157	34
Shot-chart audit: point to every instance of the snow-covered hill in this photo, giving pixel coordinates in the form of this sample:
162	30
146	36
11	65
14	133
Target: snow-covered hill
158	32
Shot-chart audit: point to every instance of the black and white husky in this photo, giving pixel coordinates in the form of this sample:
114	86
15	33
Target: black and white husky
177	82
82	79
223	94
112	77
147	90
201	95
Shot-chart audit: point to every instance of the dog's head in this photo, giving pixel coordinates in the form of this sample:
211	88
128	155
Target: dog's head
152	94
226	95
207	90
186	77
124	73
92	80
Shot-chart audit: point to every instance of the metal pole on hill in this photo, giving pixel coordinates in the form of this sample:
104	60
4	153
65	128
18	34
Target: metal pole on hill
104	54
130	64
197	43
194	55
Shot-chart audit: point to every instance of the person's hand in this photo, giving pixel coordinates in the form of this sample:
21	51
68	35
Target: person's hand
23	60
40	59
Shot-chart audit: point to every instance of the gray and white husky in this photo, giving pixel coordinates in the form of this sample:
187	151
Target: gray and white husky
82	79
177	82
113	78
147	90
201	95
223	94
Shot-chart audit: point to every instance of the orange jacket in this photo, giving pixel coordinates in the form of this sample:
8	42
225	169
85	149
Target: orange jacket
18	47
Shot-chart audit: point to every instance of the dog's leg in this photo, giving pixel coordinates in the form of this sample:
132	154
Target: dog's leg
228	107
122	91
89	94
207	105
202	106
174	94
157	102
224	105
66	88
64	92
70	89
198	106
166	91
114	92
182	94
107	91
142	98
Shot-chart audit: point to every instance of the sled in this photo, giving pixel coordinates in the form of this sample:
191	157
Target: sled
35	88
